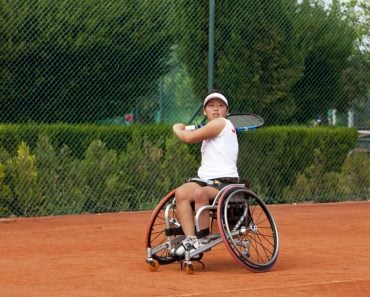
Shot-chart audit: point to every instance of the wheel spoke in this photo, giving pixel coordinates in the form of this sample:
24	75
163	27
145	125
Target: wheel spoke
253	239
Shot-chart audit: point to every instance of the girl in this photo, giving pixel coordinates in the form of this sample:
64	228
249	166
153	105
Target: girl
218	168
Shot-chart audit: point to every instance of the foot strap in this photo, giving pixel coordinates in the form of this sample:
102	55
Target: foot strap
174	231
203	233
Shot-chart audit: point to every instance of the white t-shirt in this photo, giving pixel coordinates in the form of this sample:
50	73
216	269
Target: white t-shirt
220	154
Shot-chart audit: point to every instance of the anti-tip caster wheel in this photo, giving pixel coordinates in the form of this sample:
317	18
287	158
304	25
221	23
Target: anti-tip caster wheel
153	265
189	268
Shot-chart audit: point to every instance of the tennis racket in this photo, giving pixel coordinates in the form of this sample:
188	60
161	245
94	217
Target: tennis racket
241	121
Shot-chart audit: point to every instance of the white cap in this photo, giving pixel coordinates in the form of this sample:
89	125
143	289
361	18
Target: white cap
215	95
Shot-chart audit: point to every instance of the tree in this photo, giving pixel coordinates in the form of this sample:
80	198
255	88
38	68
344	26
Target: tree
284	60
328	41
79	61
355	77
257	55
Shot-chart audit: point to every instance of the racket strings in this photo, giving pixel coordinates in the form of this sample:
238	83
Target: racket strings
246	120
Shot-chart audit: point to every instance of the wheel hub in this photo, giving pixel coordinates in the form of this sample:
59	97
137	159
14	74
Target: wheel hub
253	227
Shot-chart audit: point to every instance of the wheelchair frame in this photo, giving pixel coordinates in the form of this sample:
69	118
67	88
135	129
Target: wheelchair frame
244	224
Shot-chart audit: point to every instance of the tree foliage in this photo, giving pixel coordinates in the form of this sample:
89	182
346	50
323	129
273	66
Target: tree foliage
79	61
328	41
87	61
288	60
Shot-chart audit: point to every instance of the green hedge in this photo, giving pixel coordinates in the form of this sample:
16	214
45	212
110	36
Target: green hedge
78	137
271	158
59	169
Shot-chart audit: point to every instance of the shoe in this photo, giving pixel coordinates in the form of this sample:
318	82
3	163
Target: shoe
203	241
190	243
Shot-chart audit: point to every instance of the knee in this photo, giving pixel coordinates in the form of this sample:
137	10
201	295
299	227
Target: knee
181	195
186	194
200	197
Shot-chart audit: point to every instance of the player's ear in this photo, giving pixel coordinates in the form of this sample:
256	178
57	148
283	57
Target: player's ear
204	112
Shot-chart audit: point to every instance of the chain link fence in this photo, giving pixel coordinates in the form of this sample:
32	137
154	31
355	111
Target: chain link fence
116	65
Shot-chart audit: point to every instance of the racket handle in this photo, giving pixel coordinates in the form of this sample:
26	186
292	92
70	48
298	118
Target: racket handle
192	127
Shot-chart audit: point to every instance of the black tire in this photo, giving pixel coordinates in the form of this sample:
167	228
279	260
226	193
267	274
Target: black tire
248	229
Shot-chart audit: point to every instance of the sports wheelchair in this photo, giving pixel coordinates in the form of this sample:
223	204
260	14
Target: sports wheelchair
238	217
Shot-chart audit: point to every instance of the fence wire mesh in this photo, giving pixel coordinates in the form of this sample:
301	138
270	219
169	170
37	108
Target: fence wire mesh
121	64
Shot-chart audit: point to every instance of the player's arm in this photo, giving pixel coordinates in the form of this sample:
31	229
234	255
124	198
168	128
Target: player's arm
210	130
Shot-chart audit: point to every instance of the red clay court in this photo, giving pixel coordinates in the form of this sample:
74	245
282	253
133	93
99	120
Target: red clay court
324	251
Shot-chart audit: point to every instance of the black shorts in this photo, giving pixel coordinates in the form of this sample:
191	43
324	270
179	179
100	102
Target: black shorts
217	183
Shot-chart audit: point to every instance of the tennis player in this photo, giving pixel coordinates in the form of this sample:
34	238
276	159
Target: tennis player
218	168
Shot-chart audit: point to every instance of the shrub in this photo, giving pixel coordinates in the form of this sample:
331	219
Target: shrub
178	164
49	177
140	166
315	184
271	158
23	181
356	170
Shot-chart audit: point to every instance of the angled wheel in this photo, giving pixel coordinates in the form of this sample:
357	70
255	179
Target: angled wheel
153	265
248	229
189	268
160	238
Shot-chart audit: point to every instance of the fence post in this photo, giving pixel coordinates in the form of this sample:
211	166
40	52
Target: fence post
211	52
211	43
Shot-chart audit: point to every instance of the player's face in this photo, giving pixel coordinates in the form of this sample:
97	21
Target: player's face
215	108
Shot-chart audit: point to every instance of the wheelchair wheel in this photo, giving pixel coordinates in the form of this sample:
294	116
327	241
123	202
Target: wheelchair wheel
248	229
157	235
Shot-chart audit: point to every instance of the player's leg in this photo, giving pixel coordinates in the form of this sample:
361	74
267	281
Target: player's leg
202	196
184	196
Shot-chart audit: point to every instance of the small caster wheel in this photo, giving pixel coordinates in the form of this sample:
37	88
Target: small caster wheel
153	265
189	268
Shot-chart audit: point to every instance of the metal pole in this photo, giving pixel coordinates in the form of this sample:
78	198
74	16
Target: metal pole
211	43
211	52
